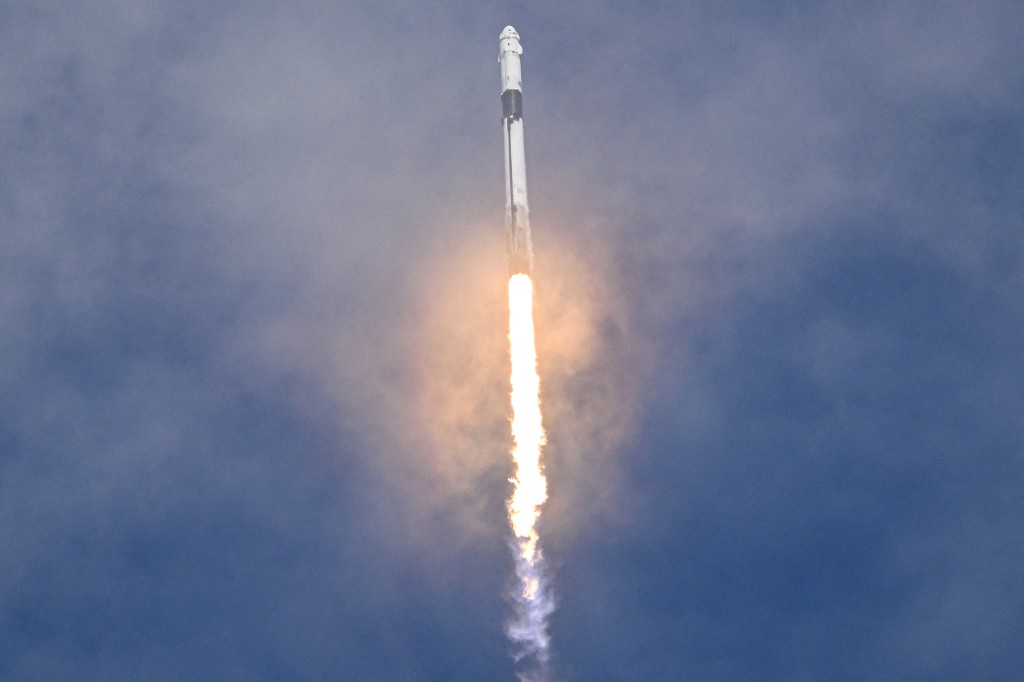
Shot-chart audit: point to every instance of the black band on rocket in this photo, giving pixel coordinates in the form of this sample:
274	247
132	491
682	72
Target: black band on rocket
512	104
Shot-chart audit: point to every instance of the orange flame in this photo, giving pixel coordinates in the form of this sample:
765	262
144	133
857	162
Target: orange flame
533	600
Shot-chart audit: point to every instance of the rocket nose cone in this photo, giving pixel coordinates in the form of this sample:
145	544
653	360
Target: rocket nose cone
509	32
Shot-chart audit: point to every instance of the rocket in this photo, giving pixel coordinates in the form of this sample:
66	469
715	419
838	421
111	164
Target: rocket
517	212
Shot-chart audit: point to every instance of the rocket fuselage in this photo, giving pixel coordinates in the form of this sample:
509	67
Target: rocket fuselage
517	211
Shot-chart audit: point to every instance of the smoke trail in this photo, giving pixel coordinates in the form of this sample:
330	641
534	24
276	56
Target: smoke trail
532	596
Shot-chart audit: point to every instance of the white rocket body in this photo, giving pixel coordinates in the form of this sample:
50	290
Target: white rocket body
517	211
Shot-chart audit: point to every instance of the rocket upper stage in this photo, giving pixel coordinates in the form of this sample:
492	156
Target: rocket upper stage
517	212
511	73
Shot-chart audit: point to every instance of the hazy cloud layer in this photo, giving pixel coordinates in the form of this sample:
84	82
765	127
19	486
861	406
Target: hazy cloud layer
254	374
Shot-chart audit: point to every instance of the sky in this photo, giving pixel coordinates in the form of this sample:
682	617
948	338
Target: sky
253	367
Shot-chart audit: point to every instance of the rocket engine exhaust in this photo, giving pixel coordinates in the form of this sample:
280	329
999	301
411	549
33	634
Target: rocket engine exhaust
532	595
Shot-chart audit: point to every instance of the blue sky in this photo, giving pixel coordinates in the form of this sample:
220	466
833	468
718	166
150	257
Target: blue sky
254	420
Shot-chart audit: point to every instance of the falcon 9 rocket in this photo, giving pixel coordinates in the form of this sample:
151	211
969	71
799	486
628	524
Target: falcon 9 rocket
517	212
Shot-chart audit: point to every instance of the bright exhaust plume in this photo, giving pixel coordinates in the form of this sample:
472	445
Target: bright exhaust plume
532	595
